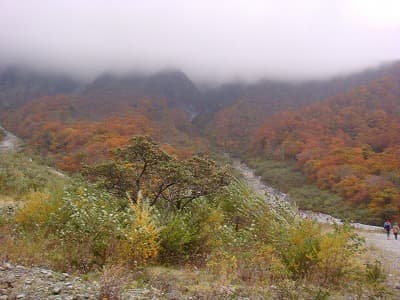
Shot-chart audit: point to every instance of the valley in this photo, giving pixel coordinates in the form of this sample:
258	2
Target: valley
338	137
199	150
140	194
34	282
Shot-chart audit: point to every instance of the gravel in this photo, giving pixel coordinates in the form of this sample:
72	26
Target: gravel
19	282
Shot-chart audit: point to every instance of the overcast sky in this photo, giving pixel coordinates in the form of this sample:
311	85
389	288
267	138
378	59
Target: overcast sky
207	39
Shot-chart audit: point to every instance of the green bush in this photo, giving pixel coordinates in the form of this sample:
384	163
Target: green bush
92	218
190	234
86	220
297	246
179	237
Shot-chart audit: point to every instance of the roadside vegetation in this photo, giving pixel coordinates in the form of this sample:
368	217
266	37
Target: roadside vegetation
224	243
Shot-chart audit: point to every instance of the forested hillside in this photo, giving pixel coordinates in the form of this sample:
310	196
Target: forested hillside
19	85
236	117
348	144
82	129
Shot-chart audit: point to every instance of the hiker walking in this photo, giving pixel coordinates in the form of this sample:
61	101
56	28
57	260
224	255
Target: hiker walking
395	230
387	226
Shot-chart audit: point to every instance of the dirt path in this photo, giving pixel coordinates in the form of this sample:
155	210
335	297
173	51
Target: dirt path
388	253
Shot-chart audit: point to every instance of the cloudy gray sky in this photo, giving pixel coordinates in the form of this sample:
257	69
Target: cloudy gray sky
208	39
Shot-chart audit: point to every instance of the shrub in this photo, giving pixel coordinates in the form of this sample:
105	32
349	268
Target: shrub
37	210
374	272
178	238
192	233
92	221
297	246
336	258
141	243
87	221
309	253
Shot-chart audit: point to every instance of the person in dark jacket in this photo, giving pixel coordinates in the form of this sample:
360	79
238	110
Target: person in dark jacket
387	226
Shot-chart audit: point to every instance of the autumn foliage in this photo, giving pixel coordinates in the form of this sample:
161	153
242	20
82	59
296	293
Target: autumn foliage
76	131
348	144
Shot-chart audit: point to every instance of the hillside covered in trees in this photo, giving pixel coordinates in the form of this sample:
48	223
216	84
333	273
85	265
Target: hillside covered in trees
81	129
143	194
349	144
342	133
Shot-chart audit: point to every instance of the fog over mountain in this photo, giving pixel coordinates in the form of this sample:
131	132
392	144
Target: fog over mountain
208	40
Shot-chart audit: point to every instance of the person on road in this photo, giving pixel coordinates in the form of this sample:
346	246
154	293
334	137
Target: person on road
395	230
387	226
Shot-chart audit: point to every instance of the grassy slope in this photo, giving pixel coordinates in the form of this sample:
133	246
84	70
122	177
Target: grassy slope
20	174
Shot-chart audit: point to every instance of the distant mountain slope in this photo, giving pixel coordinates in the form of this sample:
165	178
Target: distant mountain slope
85	122
20	85
109	91
349	143
234	119
82	128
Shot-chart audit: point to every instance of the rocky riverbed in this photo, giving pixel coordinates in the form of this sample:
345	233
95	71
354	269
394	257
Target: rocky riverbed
274	196
10	142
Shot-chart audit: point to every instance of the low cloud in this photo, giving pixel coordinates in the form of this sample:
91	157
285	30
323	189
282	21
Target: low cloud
209	40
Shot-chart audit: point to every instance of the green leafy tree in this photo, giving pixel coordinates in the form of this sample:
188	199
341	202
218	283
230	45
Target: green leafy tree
142	167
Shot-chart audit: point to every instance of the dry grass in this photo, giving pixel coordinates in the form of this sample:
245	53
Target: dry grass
184	282
112	280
